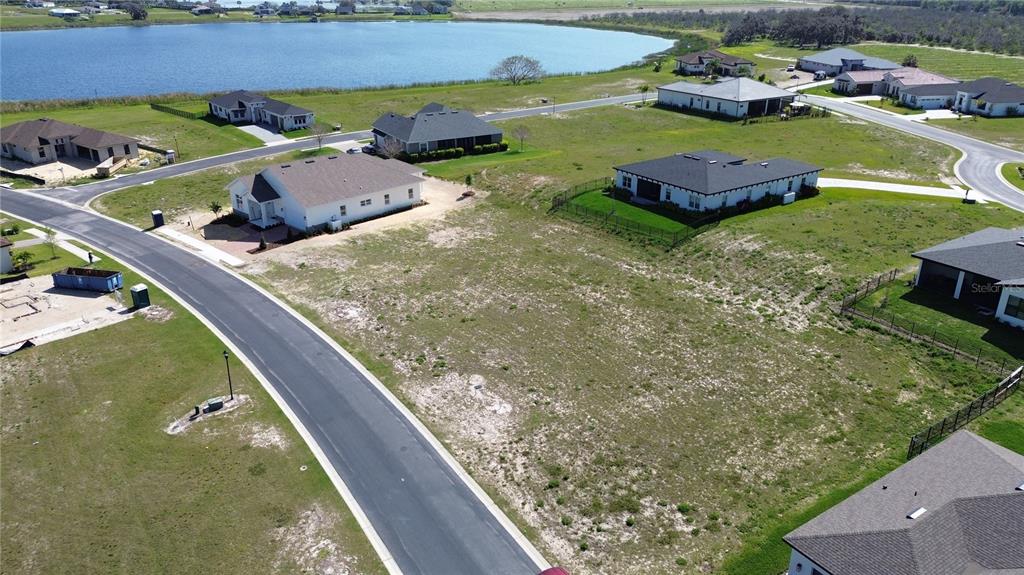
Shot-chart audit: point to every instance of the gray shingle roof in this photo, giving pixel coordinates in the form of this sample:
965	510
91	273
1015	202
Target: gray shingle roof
991	252
835	57
261	189
994	90
336	178
432	123
31	133
712	172
238	99
973	523
708	55
948	90
735	89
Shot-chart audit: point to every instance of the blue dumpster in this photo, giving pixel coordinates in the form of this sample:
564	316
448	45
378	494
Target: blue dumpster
88	279
158	218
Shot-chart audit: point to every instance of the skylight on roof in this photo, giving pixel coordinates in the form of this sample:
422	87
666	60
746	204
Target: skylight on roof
917	513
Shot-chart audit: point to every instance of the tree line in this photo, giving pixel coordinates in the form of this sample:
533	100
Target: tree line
991	31
1011	7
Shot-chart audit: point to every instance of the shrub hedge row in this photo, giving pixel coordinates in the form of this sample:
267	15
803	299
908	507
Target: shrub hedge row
449	153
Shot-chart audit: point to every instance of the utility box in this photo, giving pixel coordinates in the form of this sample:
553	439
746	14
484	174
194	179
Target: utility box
789	198
88	279
158	218
140	296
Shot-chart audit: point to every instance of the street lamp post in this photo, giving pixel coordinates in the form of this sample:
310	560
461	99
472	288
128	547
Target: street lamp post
227	366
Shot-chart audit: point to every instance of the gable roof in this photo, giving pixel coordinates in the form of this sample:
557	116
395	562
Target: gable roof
332	179
712	172
239	98
434	122
864	75
707	55
933	90
991	252
835	57
31	133
994	90
967	486
918	77
734	89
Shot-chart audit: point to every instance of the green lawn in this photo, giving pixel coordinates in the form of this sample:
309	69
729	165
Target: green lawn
8	221
191	138
1007	132
941	317
1013	175
825	90
453	169
599	201
45	261
889	106
91	483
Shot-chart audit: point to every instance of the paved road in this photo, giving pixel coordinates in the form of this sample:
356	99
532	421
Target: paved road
979	167
428	518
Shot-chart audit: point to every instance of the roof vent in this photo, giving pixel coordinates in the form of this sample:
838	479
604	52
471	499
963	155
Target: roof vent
712	161
917	513
332	157
764	164
1020	487
310	161
286	166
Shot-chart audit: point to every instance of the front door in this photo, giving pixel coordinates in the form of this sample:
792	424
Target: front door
61	150
255	213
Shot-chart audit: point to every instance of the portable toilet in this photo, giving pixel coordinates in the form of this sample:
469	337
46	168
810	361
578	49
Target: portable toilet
140	296
158	218
170	156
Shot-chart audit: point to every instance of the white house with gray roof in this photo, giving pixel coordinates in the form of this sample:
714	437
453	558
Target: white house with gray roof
710	180
435	127
45	140
984	269
324	192
838	60
243	107
956	509
736	97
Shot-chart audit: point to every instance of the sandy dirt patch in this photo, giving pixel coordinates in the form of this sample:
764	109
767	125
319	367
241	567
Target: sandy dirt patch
266	436
308	545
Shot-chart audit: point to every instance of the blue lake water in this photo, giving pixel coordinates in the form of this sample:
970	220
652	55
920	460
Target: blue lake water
125	60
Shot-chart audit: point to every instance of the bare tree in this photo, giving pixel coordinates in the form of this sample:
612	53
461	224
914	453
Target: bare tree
521	132
51	241
518	70
643	89
390	147
319	131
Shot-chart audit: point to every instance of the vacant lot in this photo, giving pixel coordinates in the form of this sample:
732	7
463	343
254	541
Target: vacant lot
92	483
1007	132
190	138
639	407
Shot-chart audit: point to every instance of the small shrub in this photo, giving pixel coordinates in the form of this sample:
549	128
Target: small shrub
584	546
560	500
554	483
566	520
630	521
684	508
682	560
695	532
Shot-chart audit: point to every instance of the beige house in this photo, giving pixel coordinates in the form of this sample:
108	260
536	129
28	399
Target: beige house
45	140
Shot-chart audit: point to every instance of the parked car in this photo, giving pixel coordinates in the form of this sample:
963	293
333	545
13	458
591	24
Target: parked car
820	75
354	151
791	67
369	149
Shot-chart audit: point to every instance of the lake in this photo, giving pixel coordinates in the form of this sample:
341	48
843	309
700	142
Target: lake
129	60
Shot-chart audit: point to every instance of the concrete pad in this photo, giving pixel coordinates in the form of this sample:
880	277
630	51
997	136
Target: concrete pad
202	248
56	172
33	309
267	136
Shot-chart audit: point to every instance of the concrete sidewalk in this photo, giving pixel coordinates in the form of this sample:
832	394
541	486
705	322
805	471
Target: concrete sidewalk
954	192
64	244
200	247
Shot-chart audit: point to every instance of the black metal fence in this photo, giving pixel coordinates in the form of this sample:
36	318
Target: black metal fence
564	197
915	331
922	441
177	112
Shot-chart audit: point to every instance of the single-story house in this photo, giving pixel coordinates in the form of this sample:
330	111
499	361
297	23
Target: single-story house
929	96
736	97
956	509
860	83
64	12
709	180
435	127
838	60
241	107
902	78
992	97
201	10
6	264
728	65
327	191
345	9
39	4
984	269
46	140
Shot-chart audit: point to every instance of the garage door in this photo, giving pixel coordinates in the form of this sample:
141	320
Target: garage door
648	190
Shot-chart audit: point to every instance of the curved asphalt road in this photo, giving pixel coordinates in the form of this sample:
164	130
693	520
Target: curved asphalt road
428	518
979	166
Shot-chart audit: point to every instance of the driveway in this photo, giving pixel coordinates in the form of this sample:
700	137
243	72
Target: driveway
269	137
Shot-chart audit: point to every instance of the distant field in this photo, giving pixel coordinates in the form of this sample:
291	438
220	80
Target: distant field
91	483
1007	132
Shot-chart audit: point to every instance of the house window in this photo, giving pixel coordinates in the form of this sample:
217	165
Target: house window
343	210
719	107
127	150
110	152
691	101
238	201
627	182
410	193
42	152
365	202
694	202
1014	307
387	199
789	188
668	195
